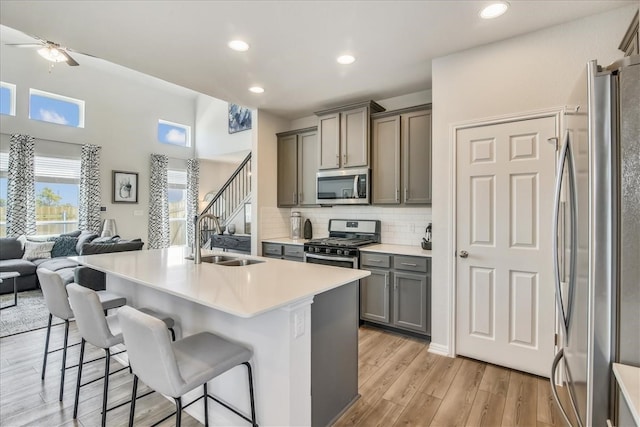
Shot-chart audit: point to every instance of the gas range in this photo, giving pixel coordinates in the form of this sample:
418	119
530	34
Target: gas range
345	239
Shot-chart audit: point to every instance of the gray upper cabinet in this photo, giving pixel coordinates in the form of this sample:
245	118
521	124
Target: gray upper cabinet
343	135
297	166
288	170
630	43
385	160
401	156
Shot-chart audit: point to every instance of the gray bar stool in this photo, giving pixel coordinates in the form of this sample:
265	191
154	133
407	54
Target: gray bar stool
174	369
57	301
103	332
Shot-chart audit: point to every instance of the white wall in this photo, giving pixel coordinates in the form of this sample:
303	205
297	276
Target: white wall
121	116
212	131
264	179
530	72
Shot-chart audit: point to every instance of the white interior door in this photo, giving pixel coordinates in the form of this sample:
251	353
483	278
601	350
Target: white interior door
505	289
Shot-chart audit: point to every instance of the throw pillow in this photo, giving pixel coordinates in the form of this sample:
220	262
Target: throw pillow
22	239
75	233
37	250
64	246
84	237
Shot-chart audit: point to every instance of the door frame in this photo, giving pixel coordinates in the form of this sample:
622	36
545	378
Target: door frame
557	114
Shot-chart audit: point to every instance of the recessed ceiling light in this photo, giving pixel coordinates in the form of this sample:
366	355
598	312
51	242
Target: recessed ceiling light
345	59
494	10
256	89
238	45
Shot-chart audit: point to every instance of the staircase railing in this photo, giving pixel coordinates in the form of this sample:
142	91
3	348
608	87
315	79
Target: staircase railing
231	197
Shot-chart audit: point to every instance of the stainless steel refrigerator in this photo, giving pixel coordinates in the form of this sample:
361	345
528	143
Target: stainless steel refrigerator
597	250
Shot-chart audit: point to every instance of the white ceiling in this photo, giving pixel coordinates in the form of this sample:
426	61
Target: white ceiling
293	43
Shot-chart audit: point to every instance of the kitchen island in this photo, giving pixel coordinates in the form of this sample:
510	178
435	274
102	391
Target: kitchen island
301	320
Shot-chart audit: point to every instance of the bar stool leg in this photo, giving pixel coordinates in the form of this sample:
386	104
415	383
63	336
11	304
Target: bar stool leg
79	379
206	404
64	358
253	405
178	411
46	346
133	400
107	361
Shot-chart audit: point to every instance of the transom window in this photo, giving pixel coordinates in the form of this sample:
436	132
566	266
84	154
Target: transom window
7	99
53	108
174	133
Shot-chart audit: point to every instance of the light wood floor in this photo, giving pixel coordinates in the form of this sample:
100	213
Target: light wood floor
400	382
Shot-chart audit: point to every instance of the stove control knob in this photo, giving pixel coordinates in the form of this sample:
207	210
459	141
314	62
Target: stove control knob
317	250
328	250
339	251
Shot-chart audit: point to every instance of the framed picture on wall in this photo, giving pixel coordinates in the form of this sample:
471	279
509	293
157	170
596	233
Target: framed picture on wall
239	118
125	187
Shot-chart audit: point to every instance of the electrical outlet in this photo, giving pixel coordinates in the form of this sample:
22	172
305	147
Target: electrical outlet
298	325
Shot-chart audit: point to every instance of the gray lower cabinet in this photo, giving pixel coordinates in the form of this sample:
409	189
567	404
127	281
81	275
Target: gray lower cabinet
398	292
297	167
401	156
283	251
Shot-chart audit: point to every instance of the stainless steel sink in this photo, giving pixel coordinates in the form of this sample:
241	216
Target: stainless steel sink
238	262
217	259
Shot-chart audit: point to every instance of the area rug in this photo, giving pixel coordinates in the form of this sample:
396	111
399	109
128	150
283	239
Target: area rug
30	313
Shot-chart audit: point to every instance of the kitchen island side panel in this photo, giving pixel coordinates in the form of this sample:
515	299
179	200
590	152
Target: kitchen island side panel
334	353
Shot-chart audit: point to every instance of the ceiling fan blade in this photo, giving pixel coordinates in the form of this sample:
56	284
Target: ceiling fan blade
70	60
24	44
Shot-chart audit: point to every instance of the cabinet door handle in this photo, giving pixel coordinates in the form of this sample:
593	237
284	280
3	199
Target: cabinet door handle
337	159
294	197
397	194
408	264
406	194
375	260
299	197
344	159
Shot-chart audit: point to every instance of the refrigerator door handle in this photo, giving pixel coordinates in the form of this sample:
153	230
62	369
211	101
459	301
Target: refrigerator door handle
566	158
554	390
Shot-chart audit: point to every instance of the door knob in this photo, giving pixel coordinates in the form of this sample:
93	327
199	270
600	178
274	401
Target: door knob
464	254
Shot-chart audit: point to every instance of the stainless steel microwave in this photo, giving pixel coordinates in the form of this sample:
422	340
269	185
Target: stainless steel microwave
343	187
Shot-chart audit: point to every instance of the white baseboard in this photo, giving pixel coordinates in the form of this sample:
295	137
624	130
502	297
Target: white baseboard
440	349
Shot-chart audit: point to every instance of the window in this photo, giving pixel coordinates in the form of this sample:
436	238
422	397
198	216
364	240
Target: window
174	133
7	99
177	207
52	108
57	188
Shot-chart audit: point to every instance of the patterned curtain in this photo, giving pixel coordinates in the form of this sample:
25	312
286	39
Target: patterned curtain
21	190
159	203
89	200
193	180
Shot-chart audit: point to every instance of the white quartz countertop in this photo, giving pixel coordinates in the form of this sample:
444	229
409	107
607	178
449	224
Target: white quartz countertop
286	241
397	250
245	291
628	378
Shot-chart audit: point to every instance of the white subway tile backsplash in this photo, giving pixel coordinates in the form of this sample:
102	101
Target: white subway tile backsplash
397	223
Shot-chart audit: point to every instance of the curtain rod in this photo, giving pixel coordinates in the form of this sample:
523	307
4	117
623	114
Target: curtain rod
48	140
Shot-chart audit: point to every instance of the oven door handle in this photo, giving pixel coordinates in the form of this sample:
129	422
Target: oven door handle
329	257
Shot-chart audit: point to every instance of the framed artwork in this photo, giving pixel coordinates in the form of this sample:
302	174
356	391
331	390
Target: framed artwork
239	118
125	187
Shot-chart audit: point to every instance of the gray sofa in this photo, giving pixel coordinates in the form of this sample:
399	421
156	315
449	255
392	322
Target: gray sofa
12	251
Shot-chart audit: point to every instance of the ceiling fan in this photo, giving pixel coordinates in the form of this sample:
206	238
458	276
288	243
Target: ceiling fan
50	51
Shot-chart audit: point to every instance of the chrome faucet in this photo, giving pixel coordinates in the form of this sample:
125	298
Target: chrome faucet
197	254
